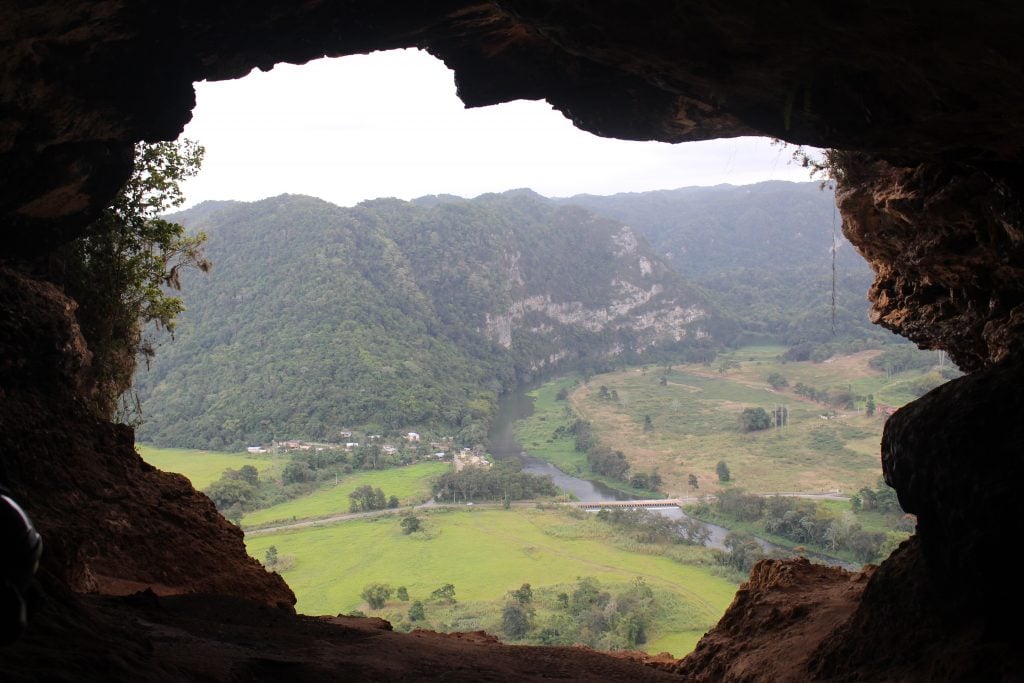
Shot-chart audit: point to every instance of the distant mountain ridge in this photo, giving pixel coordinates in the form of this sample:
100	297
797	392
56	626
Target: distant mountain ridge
761	252
394	314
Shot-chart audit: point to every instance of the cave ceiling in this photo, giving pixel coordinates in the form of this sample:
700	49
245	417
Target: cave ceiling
902	84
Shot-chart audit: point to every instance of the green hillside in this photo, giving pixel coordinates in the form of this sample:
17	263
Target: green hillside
395	315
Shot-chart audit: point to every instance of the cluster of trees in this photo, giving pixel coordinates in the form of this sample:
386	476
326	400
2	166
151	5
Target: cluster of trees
500	482
586	614
377	595
755	419
903	357
367	498
603	460
882	499
804	351
741	552
599	618
608	463
410	524
649	527
646	480
802	522
518	613
839	398
239	491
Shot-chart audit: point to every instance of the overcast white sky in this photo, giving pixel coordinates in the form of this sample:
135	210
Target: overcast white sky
389	125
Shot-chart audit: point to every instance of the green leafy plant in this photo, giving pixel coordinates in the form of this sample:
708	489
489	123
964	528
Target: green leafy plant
122	270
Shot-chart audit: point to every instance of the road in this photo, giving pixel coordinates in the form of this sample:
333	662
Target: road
306	523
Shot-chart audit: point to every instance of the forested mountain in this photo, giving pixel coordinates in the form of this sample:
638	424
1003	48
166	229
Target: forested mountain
396	315
762	252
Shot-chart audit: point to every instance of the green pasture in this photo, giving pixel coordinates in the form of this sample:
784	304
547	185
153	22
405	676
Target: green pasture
695	416
202	468
535	434
409	484
485	554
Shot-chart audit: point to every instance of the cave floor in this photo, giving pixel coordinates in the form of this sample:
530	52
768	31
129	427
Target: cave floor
215	638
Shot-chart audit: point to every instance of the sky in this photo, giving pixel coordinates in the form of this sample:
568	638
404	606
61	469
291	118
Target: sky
390	125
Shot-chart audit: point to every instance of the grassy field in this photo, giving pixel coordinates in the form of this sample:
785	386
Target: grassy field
535	433
484	554
409	484
695	417
204	467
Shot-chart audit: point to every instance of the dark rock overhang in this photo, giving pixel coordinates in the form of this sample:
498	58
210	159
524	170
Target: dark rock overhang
907	83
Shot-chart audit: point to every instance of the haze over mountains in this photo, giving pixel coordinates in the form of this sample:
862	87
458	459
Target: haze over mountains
396	315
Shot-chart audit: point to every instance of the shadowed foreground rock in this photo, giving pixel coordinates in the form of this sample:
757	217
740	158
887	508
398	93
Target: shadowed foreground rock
204	638
777	619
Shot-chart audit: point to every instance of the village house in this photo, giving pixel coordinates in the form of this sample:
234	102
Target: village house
256	449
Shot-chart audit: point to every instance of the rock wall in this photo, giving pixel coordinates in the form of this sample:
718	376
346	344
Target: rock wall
925	100
947	245
111	523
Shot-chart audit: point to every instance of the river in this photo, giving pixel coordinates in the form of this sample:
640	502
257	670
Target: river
504	446
517	406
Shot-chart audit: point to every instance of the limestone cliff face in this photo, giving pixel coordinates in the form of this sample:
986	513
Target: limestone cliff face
642	304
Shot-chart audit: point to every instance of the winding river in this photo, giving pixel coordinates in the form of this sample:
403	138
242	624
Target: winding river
504	446
517	405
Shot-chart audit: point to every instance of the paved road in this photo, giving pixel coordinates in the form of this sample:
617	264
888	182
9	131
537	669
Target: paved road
321	521
306	523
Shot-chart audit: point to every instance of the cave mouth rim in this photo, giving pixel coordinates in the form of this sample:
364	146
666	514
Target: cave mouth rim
611	165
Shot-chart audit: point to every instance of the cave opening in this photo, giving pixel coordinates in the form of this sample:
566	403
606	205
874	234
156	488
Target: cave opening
923	102
276	134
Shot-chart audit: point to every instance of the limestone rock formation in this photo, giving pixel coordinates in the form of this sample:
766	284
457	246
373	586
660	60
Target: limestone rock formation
111	523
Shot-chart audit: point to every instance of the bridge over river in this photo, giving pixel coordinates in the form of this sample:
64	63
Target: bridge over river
646	503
